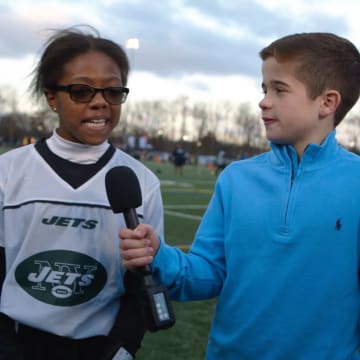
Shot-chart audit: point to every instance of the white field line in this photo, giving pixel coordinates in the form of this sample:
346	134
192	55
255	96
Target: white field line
167	211
184	206
182	215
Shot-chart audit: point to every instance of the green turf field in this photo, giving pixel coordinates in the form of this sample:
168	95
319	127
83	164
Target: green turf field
185	199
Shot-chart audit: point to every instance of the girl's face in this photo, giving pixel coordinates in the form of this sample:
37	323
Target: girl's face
88	123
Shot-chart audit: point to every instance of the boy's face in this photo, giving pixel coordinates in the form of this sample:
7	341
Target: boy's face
92	122
289	115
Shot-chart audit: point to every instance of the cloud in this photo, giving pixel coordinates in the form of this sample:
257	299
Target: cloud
176	37
186	46
188	37
17	38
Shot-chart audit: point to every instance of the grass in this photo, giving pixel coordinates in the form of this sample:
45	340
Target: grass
4	148
183	196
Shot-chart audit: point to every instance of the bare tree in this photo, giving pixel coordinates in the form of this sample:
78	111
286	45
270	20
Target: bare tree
351	130
200	117
249	125
2	103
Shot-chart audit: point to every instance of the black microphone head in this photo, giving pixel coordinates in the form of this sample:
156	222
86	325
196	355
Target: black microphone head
122	189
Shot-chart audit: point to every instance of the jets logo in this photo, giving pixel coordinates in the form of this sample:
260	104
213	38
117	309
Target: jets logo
61	277
70	222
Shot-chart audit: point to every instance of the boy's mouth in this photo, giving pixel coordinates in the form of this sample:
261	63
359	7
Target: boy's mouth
269	121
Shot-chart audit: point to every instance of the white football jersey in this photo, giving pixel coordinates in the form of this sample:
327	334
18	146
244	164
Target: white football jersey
64	272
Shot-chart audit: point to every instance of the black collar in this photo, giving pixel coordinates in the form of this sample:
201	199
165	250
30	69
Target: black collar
73	173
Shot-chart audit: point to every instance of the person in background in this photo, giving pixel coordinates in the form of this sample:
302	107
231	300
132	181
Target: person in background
61	276
220	162
279	242
179	159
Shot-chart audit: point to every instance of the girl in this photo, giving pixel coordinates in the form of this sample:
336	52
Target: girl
61	273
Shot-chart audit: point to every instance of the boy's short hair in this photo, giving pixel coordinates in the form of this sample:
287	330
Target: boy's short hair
325	61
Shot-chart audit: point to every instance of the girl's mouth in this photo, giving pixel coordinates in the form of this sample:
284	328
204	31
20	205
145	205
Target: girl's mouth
96	124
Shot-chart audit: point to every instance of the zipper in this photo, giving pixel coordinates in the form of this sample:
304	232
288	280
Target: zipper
286	214
292	180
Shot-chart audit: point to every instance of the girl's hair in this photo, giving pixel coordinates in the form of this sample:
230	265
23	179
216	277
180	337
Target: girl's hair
322	61
66	44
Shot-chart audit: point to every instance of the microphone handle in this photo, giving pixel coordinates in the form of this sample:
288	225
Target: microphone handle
131	218
160	312
132	221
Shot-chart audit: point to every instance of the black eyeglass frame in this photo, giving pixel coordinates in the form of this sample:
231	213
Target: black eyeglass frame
103	91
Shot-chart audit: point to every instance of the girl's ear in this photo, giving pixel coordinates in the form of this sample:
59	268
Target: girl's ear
330	102
51	99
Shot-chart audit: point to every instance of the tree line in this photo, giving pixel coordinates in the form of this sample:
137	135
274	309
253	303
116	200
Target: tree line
202	127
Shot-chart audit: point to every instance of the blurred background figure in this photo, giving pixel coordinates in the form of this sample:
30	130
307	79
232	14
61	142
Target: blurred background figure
220	162
179	159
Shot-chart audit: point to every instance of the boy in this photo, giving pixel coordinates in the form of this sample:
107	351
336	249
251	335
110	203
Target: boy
279	242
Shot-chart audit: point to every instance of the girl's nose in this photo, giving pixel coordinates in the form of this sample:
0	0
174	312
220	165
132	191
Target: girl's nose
98	100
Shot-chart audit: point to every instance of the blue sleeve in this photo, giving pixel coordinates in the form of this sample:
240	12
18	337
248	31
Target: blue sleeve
199	274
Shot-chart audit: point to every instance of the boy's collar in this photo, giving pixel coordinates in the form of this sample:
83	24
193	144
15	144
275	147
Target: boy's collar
312	153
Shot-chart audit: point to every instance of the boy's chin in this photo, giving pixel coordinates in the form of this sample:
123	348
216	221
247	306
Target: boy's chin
278	141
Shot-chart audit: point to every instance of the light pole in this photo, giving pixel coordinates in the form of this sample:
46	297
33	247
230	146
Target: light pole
132	44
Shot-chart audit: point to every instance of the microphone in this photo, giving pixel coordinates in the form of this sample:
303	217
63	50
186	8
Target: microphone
124	195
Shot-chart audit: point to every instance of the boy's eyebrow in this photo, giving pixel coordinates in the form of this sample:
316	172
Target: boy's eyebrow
274	83
278	82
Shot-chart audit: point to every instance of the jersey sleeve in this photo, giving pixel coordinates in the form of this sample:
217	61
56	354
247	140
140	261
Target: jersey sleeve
2	240
153	208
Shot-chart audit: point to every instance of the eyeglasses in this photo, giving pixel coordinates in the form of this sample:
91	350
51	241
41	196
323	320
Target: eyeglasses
114	95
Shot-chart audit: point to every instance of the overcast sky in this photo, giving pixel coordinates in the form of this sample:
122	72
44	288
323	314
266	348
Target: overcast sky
203	49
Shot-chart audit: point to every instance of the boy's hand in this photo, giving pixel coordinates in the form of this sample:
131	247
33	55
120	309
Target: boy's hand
139	246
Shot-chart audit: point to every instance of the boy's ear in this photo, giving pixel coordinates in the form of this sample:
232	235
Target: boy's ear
330	102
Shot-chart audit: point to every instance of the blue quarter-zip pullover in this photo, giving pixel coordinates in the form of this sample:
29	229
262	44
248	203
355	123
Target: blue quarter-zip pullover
279	247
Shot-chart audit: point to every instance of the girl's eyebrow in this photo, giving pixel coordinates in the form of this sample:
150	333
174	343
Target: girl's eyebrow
86	78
